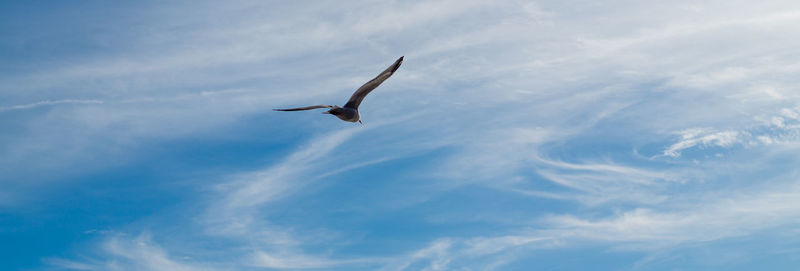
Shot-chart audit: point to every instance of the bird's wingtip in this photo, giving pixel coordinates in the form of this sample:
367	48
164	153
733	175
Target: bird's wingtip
396	64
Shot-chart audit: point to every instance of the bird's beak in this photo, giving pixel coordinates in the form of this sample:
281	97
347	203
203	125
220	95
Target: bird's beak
326	112
359	121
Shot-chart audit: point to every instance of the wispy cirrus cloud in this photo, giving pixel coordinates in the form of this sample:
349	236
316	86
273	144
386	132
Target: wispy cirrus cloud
702	137
779	127
535	126
46	103
125	253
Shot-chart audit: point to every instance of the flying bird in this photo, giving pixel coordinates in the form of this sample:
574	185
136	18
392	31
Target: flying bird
349	112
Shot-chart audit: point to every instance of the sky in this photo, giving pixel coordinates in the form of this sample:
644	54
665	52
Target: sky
517	135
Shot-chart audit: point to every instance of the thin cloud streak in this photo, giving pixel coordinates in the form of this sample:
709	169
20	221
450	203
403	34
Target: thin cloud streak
138	253
46	103
739	215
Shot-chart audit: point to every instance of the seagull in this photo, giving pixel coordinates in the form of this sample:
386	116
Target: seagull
349	112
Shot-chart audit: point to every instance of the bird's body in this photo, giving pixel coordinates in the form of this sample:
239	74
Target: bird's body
349	112
345	113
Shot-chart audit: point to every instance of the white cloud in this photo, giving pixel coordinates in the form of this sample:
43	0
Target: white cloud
704	220
478	253
773	129
44	103
123	253
702	137
714	217
598	183
299	261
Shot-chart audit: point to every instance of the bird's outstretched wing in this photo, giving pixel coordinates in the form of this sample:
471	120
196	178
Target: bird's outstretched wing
362	92
306	108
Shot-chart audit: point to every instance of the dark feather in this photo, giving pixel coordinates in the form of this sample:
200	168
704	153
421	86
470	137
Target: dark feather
306	108
362	92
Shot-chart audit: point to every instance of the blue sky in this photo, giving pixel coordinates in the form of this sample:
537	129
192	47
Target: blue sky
517	135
